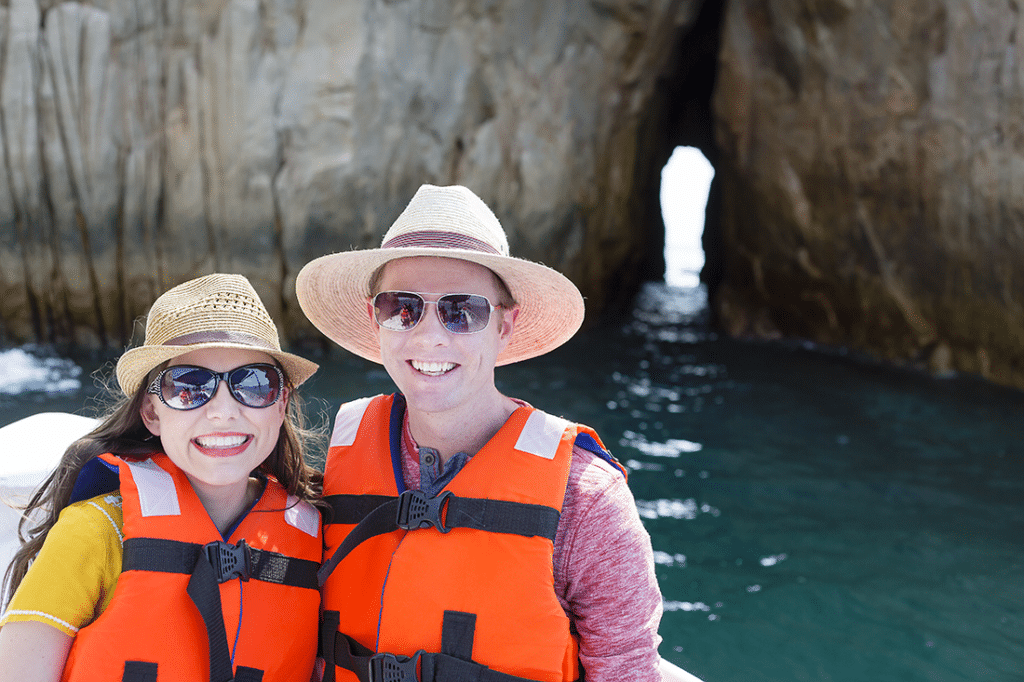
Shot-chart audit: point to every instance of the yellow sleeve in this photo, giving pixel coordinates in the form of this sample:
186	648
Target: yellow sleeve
72	579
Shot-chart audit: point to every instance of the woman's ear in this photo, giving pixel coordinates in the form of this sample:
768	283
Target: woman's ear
282	402
149	415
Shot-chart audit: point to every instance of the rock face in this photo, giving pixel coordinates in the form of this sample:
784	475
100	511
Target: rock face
868	154
146	143
872	169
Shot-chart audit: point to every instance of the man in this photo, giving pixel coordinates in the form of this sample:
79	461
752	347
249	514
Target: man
518	553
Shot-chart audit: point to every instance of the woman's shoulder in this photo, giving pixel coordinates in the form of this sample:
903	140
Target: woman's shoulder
102	512
74	574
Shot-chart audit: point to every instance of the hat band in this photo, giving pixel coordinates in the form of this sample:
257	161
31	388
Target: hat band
240	338
437	239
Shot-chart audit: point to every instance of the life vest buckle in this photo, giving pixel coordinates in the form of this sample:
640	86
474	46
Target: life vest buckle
229	561
416	510
392	668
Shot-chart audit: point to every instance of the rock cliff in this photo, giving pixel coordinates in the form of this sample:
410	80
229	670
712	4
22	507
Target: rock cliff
145	143
872	168
868	155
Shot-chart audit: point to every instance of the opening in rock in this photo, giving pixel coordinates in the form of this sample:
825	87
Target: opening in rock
685	182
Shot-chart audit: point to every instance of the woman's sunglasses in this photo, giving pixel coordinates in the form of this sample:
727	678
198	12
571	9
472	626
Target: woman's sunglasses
186	387
400	311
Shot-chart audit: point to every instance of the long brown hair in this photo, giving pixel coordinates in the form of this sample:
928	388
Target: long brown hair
122	432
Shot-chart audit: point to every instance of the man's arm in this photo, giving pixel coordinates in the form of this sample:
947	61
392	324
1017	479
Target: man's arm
604	575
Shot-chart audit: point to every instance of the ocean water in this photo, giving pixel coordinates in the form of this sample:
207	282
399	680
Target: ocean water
815	516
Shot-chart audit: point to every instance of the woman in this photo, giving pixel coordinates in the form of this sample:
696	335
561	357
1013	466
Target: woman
177	541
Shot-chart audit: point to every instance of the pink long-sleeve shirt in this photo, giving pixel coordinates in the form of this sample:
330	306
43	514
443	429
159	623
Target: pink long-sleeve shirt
603	563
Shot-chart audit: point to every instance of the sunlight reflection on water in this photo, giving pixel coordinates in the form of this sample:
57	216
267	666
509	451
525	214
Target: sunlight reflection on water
23	370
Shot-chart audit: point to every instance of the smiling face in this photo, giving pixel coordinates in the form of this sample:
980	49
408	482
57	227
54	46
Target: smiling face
218	444
436	370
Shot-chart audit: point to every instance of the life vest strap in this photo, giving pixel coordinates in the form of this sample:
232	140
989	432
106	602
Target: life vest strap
420	667
204	592
209	565
139	671
413	510
496	516
227	561
351	509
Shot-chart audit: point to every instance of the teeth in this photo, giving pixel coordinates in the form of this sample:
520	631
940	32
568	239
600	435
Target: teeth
432	368
220	441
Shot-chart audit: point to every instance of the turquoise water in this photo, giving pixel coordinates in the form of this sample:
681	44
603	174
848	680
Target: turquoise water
814	516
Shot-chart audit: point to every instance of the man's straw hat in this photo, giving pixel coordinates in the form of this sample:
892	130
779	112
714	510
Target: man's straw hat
447	222
215	311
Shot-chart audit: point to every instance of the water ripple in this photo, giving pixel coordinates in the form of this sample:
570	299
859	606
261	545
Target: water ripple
22	371
686	510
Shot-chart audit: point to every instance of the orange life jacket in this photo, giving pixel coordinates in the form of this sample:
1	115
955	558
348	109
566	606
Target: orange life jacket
479	590
169	611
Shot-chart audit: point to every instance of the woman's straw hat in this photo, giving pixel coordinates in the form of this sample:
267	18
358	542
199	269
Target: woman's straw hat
447	222
215	311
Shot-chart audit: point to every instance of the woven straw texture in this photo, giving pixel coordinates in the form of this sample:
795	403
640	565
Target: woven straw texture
446	222
217	305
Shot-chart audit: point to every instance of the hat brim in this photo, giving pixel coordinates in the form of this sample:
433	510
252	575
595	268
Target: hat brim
136	363
333	291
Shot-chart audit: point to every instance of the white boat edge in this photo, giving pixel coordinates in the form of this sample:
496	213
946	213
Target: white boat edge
670	672
31	447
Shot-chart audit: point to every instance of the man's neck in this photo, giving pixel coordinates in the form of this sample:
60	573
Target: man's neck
459	431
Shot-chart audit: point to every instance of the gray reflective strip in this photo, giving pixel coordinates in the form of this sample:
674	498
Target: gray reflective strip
302	515
541	435
157	495
346	424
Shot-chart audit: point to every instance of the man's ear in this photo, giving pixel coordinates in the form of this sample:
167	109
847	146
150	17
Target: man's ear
508	323
373	318
149	416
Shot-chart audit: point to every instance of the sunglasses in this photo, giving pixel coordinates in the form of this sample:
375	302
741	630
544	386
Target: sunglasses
187	387
400	311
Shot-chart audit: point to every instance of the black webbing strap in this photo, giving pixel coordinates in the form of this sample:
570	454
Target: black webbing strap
139	671
244	674
378	522
457	632
352	509
352	656
207	567
412	510
204	591
500	516
496	516
421	667
329	621
451	669
172	556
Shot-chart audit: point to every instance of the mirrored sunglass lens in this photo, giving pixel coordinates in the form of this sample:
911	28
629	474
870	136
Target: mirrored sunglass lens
255	386
397	310
464	313
184	388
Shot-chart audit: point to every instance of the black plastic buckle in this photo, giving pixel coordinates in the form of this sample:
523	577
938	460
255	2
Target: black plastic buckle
392	668
416	510
229	561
